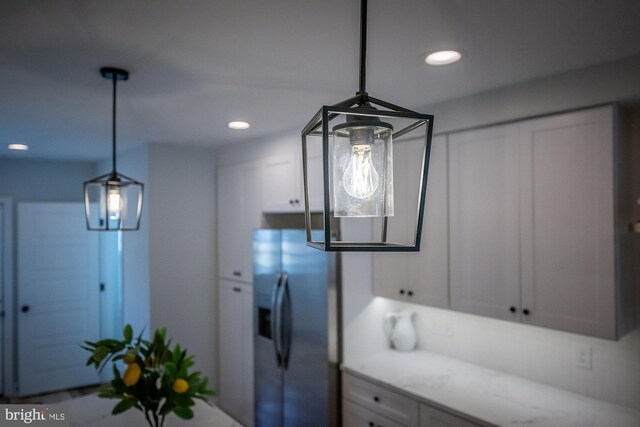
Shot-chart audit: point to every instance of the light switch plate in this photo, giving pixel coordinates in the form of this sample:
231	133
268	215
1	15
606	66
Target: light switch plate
583	356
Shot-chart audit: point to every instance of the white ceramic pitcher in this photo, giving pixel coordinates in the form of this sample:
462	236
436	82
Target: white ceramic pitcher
400	330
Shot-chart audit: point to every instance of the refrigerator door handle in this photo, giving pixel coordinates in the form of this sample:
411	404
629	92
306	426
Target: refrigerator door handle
285	319
275	320
279	310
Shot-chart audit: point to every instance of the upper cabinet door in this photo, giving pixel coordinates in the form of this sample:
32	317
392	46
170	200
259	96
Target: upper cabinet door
229	224
484	221
420	277
429	268
281	185
568	256
283	182
239	212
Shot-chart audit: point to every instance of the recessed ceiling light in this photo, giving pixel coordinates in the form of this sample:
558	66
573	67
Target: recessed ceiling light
238	125
19	147
443	57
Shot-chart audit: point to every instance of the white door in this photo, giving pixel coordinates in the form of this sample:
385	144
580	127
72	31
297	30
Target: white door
58	296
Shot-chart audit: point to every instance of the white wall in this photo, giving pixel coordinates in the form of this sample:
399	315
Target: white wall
541	355
181	209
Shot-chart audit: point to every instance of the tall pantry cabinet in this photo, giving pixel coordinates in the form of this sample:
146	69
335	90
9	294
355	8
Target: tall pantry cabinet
239	212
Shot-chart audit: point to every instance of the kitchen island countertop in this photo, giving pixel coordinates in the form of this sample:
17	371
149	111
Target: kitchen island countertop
487	395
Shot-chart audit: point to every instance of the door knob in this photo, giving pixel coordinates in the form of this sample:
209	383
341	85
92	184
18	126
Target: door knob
25	308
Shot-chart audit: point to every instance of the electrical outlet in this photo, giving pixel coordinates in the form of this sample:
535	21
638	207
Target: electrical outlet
583	356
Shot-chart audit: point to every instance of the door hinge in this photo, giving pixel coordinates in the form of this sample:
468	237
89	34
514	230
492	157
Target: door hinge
102	287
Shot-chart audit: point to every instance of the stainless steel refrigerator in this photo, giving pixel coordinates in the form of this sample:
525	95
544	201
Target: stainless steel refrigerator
296	331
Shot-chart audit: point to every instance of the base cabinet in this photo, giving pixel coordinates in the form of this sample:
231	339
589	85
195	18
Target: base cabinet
432	417
368	404
236	350
356	416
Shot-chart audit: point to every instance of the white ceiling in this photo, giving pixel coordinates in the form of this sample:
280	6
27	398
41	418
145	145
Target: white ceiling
198	64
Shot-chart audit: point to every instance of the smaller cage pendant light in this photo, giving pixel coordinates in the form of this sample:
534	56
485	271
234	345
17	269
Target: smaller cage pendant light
113	201
357	138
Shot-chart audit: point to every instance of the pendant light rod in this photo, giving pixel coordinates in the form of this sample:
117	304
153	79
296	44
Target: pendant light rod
363	47
113	126
114	74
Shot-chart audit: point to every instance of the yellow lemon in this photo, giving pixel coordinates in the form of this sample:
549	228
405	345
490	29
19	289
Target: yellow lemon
180	386
132	375
129	359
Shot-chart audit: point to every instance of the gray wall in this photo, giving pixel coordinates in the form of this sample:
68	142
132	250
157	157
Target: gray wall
26	180
182	270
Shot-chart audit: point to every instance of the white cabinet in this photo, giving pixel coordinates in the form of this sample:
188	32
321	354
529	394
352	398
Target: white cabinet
357	416
568	203
432	417
484	221
283	183
236	350
533	226
400	409
420	277
239	212
368	404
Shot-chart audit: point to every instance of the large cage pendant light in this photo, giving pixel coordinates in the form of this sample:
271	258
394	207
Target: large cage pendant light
358	138
113	201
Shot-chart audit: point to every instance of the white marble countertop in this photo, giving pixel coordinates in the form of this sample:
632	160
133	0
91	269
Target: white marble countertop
487	395
92	411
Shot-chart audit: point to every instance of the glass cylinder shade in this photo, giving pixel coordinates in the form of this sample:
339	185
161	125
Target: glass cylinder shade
362	156
113	204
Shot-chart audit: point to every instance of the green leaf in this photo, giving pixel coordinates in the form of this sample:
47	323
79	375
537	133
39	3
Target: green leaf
128	333
167	407
123	405
183	412
170	369
100	353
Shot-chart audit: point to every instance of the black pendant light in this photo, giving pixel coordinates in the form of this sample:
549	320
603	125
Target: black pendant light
113	201
357	138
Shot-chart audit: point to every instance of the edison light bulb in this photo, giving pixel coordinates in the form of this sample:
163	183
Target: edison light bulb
114	203
360	179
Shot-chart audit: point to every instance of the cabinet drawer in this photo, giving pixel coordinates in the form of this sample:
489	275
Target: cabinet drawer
356	416
432	417
385	402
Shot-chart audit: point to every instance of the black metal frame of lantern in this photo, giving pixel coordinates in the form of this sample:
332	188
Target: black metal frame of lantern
358	109
129	192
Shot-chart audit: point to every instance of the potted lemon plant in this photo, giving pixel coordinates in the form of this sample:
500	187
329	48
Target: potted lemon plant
156	379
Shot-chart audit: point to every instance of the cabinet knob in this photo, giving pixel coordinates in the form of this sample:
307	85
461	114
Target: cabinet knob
410	293
237	273
296	201
237	289
512	309
401	291
290	201
525	311
25	308
376	399
371	424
